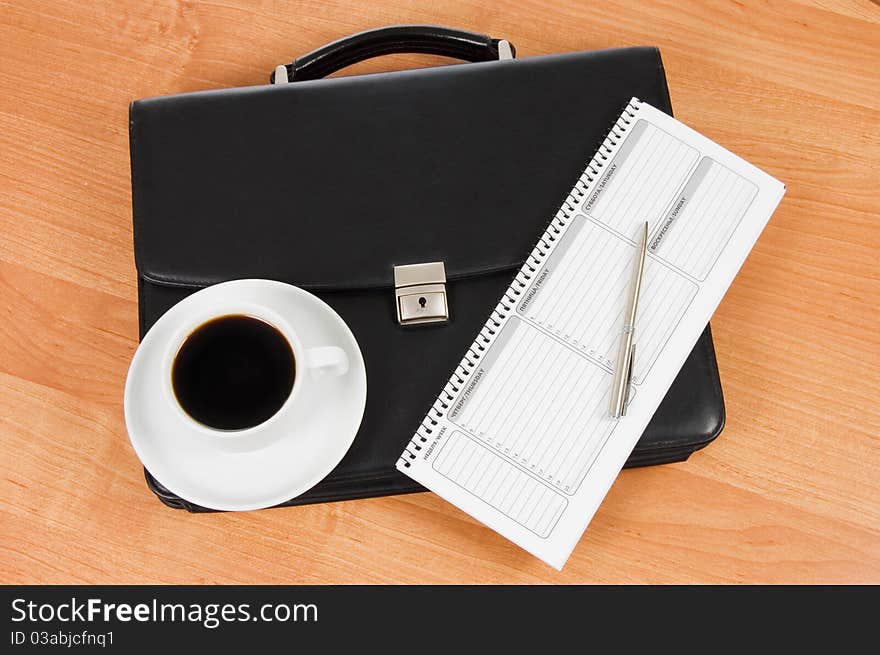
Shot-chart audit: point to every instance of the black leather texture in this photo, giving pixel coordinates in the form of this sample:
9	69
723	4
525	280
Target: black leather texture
424	39
328	184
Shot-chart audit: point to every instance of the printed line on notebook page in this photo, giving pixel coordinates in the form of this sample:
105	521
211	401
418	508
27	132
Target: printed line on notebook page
543	405
590	317
694	231
499	483
649	168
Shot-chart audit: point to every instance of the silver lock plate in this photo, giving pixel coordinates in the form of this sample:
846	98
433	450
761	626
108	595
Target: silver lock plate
420	293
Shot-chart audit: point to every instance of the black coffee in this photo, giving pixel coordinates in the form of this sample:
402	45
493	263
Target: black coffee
233	372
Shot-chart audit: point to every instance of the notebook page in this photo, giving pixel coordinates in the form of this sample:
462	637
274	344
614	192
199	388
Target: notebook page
521	437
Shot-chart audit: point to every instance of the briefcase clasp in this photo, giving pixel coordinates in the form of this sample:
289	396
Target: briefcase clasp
420	293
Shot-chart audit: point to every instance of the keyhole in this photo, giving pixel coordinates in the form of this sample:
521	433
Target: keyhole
423	301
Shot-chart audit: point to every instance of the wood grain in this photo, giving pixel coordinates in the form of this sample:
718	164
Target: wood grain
788	493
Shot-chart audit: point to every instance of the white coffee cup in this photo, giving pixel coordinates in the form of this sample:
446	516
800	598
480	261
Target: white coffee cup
311	364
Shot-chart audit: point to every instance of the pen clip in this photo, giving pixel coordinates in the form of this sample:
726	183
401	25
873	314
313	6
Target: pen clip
627	381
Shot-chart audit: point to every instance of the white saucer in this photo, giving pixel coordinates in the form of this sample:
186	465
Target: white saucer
302	449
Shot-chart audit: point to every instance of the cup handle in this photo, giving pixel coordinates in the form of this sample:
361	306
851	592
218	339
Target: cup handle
327	360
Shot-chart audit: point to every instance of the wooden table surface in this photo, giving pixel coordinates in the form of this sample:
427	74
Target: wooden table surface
790	492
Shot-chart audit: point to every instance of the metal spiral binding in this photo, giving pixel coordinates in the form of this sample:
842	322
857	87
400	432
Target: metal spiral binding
520	283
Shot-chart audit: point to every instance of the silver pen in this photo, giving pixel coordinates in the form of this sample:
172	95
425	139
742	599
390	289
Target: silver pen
627	349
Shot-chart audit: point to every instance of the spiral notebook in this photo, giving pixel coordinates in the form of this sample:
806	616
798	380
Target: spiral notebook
521	437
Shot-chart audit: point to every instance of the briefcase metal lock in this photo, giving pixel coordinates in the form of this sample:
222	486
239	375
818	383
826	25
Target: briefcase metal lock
420	293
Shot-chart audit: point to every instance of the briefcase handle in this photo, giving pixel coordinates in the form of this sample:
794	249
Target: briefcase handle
427	39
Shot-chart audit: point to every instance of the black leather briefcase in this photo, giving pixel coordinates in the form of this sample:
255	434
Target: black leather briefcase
329	183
